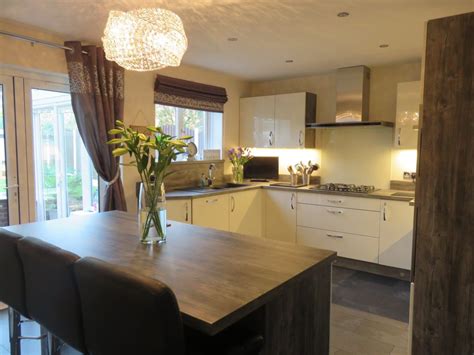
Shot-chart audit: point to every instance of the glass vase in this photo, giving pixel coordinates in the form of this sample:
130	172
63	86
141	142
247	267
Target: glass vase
238	174
152	213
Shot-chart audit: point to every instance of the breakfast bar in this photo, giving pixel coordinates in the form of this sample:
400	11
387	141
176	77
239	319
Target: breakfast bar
220	278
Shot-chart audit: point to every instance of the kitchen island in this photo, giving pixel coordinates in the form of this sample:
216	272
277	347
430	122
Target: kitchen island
220	278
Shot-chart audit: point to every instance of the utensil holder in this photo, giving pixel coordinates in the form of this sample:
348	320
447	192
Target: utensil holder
294	179
305	179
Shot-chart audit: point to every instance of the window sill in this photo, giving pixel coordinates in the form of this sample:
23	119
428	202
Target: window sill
185	162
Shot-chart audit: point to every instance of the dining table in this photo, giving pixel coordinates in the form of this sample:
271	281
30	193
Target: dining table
220	279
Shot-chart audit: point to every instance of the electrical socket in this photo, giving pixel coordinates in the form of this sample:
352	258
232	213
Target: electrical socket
409	175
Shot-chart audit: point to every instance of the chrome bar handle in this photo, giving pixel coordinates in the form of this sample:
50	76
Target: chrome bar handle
335	201
300	138
335	212
335	236
186	209
232	203
270	138
292	201
212	201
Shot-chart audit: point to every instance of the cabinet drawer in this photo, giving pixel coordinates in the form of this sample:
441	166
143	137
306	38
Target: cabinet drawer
347	245
361	203
212	212
338	219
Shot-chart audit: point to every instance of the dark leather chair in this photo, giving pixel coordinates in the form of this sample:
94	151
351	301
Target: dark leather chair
52	298
12	291
127	314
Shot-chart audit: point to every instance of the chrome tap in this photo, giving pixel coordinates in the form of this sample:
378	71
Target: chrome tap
211	177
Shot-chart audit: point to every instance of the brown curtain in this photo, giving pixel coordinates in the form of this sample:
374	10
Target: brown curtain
97	101
189	94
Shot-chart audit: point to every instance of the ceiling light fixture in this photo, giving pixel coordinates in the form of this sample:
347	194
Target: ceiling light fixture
383	45
343	14
144	39
289	61
232	39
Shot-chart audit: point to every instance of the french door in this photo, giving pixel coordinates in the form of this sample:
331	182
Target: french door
9	188
48	173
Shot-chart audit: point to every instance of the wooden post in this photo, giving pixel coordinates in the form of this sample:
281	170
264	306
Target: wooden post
443	321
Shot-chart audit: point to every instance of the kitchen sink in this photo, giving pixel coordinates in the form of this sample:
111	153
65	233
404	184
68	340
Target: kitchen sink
403	194
228	185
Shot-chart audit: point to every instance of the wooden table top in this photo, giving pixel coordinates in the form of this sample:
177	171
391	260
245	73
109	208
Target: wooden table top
218	277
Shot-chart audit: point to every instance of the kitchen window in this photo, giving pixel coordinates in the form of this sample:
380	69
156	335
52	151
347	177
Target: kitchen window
204	126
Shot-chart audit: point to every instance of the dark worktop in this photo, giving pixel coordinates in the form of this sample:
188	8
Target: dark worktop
383	194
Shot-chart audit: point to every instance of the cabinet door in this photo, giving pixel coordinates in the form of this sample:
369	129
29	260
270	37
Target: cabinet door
179	210
290	110
212	212
396	234
257	123
280	215
407	116
246	212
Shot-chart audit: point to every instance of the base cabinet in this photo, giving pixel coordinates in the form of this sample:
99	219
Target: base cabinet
179	210
396	234
212	212
245	213
347	245
280	215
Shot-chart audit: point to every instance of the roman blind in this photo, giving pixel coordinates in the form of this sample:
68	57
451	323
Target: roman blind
189	94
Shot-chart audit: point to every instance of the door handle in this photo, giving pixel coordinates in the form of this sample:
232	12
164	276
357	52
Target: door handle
186	215
11	187
335	236
292	201
232	203
300	138
212	201
335	201
335	211
270	138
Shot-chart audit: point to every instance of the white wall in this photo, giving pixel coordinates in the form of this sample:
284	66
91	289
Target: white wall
361	155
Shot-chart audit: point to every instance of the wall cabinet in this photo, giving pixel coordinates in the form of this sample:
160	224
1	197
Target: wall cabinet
246	212
179	210
280	215
212	212
407	115
277	121
257	121
396	234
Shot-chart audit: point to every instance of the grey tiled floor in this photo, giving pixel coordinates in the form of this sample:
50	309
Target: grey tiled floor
367	317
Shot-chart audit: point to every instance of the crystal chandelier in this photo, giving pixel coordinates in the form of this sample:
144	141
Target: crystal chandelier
144	39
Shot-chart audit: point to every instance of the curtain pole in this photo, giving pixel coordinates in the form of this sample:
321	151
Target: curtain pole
34	40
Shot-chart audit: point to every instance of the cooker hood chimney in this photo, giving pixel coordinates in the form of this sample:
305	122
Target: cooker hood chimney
352	99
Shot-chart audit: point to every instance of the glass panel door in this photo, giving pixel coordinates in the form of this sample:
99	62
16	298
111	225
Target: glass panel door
65	182
9	189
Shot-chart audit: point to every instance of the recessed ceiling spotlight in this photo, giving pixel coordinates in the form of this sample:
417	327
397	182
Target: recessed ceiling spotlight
383	45
289	61
343	14
232	39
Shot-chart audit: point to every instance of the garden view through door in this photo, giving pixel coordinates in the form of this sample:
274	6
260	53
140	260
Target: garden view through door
65	180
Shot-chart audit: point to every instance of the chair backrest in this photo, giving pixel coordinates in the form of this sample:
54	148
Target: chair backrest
12	284
52	298
127	314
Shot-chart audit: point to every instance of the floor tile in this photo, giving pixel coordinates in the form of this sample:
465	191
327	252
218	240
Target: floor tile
357	344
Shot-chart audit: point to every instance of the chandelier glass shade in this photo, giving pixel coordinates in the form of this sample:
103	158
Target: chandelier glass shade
144	39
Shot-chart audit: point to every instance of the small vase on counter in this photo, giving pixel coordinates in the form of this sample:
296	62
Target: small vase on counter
238	174
238	157
152	214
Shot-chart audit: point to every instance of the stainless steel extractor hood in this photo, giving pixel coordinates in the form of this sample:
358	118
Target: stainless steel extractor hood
352	99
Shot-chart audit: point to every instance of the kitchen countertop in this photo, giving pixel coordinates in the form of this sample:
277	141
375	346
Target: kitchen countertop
383	194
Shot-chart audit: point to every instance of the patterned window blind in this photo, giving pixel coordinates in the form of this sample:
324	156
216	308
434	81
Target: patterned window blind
189	94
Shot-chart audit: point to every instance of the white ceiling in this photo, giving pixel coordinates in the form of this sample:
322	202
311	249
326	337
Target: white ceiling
268	31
